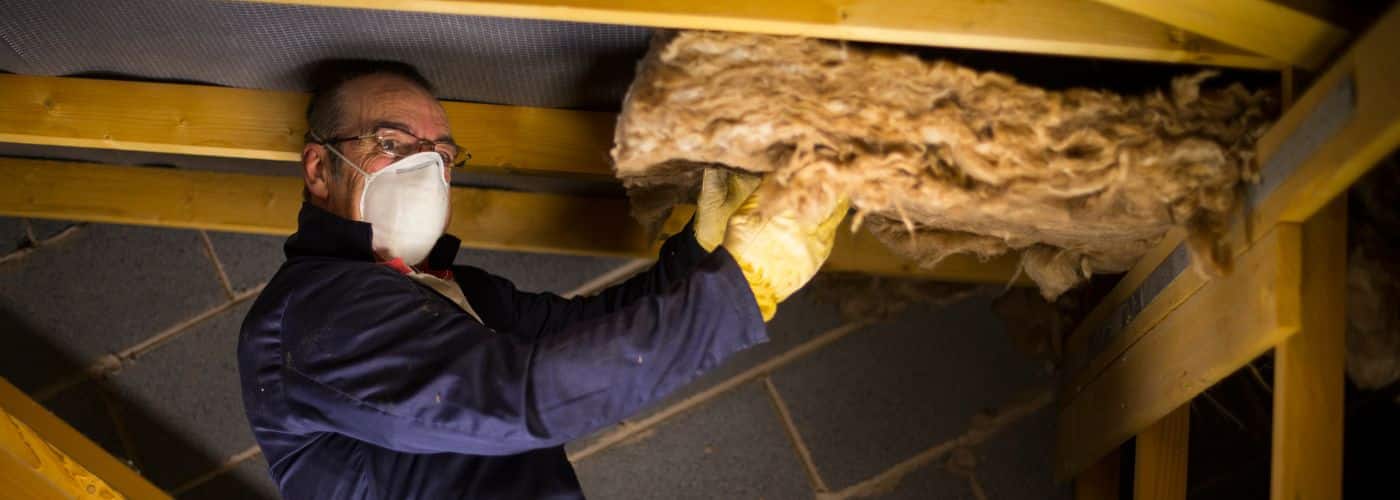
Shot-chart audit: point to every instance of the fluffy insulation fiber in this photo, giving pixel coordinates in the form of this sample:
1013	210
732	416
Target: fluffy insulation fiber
937	158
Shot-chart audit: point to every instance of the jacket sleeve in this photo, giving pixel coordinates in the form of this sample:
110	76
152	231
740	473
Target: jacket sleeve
535	315
395	369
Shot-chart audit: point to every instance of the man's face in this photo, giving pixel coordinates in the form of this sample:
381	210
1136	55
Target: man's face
369	104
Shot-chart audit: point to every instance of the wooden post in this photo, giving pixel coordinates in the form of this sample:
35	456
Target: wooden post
1309	370
1201	335
1159	472
42	457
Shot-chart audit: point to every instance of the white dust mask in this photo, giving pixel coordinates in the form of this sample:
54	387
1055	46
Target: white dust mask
406	203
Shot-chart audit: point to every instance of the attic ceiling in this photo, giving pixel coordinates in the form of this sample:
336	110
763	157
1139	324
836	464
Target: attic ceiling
538	63
262	46
524	62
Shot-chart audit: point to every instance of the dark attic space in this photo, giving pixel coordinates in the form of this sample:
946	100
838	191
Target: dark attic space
1029	249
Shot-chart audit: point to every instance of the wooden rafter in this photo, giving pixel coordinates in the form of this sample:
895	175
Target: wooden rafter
1061	27
482	218
1260	26
1338	130
1347	121
1206	330
43	457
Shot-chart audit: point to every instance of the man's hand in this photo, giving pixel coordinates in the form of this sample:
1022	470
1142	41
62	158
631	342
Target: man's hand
779	249
721	192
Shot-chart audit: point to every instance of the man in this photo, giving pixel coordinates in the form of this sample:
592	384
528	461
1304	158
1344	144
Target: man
373	368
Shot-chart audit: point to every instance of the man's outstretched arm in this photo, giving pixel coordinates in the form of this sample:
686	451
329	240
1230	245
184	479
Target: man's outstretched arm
394	367
537	314
534	315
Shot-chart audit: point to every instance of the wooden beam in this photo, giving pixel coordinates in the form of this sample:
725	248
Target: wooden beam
1260	26
1320	166
270	125
1102	334
30	468
1060	27
482	218
1309	380
1159	470
268	205
1345	123
1198	338
41	457
1102	481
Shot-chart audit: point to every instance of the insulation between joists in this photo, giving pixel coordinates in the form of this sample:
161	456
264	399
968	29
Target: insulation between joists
939	159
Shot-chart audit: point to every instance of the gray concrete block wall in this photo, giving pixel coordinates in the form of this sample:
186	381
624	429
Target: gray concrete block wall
246	260
733	447
189	390
108	287
923	375
153	316
247	480
89	407
882	411
827	407
14	234
534	272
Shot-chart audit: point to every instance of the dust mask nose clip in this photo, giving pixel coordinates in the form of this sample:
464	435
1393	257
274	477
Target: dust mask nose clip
406	203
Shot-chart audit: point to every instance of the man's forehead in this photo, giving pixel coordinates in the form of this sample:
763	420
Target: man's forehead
388	98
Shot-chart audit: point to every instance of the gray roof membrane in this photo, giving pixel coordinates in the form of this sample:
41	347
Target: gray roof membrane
263	46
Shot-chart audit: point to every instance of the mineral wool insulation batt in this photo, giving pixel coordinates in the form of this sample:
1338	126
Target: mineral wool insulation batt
939	159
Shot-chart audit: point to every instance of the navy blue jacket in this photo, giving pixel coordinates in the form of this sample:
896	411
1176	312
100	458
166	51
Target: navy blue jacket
361	383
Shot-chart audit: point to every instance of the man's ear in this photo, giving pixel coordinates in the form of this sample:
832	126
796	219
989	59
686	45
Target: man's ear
316	171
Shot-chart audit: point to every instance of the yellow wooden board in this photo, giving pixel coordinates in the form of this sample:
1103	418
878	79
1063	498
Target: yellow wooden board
1372	67
1159	469
30	468
1060	27
271	125
1208	335
1309	370
482	218
1260	26
42	457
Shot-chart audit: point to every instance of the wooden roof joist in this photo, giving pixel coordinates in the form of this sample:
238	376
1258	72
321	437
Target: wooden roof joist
482	218
1345	124
1201	331
41	456
270	125
1260	26
1081	28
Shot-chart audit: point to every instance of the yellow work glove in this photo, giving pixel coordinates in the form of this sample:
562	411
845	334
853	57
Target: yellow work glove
721	192
777	249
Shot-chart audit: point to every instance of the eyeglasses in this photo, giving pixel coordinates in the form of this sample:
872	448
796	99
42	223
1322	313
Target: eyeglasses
396	144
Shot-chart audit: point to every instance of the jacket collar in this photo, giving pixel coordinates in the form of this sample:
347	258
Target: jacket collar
324	234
